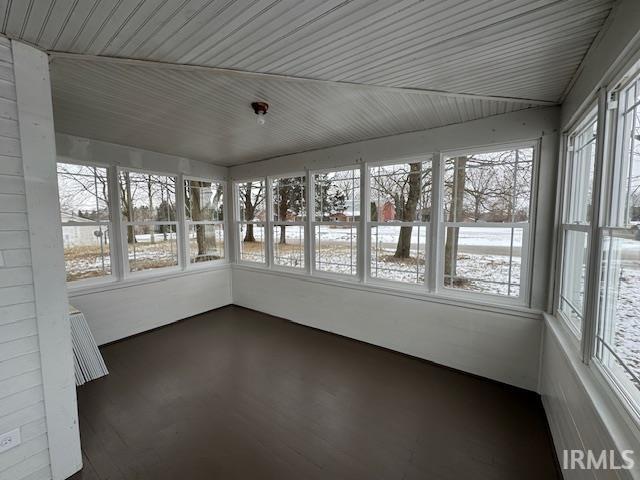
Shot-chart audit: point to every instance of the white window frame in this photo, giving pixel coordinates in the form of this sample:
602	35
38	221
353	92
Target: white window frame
528	228
271	224
313	223
178	224
113	229
427	285
433	286
238	222
596	348
568	162
188	223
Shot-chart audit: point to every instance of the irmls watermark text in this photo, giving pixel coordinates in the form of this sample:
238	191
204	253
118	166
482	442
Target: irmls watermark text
598	460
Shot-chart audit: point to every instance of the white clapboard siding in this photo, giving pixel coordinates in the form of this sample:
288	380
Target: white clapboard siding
21	393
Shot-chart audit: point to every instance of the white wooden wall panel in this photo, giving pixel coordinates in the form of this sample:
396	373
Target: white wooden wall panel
21	394
38	151
502	347
580	415
120	312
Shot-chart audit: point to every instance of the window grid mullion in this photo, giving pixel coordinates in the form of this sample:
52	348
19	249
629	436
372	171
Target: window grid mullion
592	274
364	235
181	229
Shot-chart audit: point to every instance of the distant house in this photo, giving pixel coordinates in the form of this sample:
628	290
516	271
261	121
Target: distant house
79	235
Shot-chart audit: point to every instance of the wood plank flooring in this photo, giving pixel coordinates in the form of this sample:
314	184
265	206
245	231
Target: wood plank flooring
238	394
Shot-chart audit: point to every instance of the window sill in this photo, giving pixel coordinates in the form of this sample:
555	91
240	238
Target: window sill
79	290
494	307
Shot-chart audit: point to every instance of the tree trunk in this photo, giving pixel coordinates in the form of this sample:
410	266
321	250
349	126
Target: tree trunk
248	214
403	249
455	214
127	207
152	237
196	215
283	208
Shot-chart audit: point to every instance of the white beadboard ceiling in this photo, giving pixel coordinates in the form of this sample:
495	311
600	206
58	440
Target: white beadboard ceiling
503	55
205	115
514	48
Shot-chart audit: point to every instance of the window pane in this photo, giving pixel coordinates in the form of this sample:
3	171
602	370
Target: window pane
628	203
580	171
483	259
206	242
398	253
251	196
336	249
152	246
289	199
401	192
338	196
288	245
203	200
83	193
86	251
574	266
619	326
147	198
252	242
488	187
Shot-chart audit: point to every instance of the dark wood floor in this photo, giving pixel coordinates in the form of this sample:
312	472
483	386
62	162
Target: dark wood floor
237	394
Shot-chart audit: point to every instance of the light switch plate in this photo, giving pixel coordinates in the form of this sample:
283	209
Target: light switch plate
9	440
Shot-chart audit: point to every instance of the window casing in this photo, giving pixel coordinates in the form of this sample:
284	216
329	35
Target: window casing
336	222
289	217
150	228
487	207
251	215
398	240
579	168
617	335
149	236
400	196
86	221
204	220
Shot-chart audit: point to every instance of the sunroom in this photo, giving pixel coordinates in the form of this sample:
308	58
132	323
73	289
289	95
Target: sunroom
272	239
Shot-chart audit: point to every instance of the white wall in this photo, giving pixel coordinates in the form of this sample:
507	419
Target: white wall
132	306
582	411
503	347
497	343
124	310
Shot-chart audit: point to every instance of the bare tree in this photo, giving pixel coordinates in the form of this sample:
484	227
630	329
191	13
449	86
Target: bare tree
407	190
250	198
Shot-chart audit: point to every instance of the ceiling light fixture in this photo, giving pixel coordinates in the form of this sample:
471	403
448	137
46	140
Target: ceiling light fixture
260	109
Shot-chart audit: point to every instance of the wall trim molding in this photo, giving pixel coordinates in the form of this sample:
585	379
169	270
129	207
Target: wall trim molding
37	141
